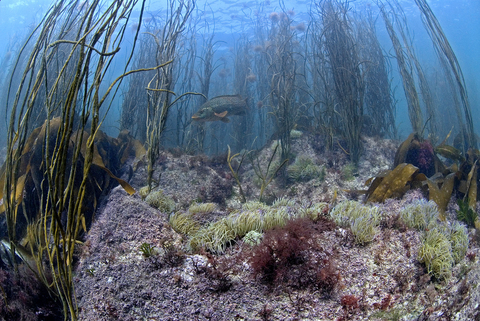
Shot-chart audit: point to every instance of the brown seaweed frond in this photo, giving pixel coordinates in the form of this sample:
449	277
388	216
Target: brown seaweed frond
160	86
71	51
404	65
444	50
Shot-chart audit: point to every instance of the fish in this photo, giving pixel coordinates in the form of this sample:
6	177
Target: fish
450	152
218	108
23	253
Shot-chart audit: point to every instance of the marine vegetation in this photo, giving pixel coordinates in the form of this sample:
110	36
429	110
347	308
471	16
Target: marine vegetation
160	87
61	91
442	181
287	256
235	172
393	183
452	70
466	214
414	111
348	84
109	155
415	155
318	90
266	175
282	73
420	153
147	249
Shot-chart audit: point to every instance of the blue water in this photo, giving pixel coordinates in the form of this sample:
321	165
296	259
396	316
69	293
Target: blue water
230	19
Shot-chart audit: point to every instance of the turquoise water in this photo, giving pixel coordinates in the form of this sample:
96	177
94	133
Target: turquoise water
229	21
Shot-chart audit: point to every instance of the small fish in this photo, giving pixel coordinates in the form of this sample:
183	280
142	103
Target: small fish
450	152
23	253
218	108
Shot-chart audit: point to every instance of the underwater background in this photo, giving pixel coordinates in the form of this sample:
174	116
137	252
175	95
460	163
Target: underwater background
239	160
232	25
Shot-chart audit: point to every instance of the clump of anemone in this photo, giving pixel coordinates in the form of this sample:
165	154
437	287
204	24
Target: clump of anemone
161	201
420	214
254	217
243	222
277	217
442	247
295	134
424	216
184	223
143	192
304	170
364	228
313	212
215	237
459	241
202	208
283	201
436	253
361	219
254	205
